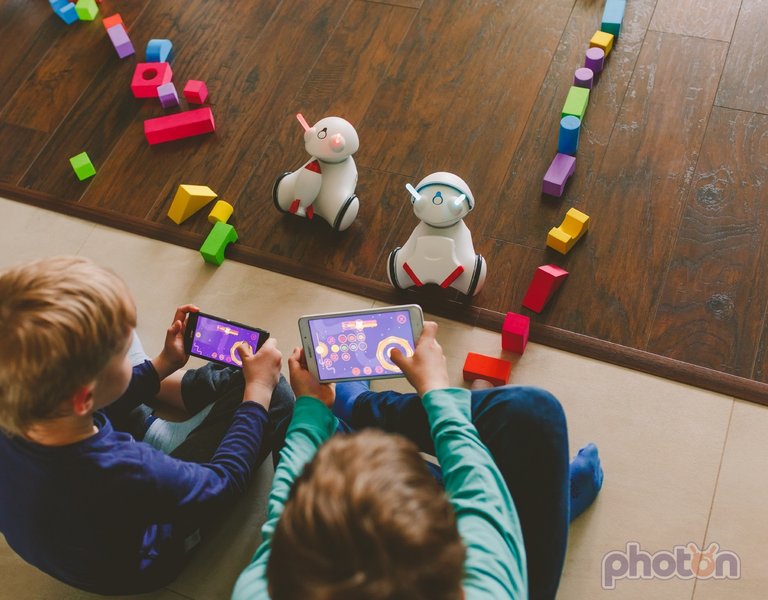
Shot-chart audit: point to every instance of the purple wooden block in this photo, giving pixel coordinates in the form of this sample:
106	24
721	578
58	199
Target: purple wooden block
168	95
120	40
584	77
595	60
557	175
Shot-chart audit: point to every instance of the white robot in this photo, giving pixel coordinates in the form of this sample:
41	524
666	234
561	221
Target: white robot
325	184
440	249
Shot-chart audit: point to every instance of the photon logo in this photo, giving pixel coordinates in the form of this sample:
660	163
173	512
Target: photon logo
683	562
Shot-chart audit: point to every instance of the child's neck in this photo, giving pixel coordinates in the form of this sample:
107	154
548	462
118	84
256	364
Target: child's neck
62	431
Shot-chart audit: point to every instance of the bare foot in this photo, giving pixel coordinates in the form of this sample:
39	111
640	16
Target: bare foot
480	384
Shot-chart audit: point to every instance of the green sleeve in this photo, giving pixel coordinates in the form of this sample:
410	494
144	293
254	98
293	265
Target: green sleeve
486	515
312	424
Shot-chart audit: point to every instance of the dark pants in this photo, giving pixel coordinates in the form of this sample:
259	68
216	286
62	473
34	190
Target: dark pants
525	430
224	386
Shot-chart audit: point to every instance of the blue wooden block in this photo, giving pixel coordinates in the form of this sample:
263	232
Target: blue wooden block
65	10
159	51
613	15
568	142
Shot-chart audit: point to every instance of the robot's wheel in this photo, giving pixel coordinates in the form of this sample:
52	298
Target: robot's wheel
274	191
338	222
393	269
475	275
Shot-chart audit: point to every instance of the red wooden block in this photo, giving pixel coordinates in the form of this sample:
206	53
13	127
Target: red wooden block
147	77
546	281
179	125
514	332
479	366
112	20
195	91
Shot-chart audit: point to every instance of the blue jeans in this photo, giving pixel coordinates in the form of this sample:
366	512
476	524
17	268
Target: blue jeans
524	428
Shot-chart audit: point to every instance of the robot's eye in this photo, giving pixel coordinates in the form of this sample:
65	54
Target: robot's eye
322	133
437	199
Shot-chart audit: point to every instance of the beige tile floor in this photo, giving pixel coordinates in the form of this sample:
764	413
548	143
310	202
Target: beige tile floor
682	464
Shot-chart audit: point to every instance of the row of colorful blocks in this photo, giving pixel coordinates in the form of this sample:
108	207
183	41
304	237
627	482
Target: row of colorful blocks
69	12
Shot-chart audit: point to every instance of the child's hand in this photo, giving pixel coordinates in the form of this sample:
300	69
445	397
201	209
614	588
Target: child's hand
261	371
426	370
173	357
305	383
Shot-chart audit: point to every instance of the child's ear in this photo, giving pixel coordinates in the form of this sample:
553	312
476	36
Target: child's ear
82	400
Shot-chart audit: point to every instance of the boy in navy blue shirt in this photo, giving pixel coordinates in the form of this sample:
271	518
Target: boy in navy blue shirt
80	498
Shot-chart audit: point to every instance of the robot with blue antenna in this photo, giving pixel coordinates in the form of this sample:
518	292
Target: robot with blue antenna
325	184
440	249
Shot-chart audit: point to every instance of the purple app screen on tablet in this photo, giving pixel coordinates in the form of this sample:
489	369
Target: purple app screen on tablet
359	345
219	341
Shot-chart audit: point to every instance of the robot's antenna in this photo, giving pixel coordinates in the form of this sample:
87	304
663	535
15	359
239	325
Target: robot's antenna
412	191
303	121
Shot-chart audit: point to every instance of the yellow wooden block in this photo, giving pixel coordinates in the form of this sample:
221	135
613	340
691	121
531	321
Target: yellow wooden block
573	227
188	200
221	212
603	40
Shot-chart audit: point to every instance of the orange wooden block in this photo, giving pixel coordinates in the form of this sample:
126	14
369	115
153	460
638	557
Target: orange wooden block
479	366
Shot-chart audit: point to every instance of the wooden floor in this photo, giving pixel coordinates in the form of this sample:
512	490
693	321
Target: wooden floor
671	168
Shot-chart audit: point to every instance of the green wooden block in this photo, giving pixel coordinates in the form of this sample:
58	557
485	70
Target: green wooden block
83	166
86	10
217	241
576	102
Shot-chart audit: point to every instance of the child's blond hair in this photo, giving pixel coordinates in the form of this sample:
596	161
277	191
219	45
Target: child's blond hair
366	520
62	320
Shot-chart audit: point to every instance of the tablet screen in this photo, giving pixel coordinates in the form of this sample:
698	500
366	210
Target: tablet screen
358	346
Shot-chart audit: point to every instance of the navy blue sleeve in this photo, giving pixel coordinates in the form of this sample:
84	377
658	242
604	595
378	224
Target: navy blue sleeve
181	488
144	386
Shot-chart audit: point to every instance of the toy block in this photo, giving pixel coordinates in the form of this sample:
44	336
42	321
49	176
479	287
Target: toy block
86	10
120	40
561	169
57	5
167	95
479	366
195	91
576	102
65	11
514	332
584	77
568	141
217	241
603	40
180	125
188	200
595	60
221	212
573	227
112	20
159	51
546	281
147	77
613	15
83	166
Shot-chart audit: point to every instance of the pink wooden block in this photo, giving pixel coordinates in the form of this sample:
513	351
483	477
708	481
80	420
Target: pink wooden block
180	125
546	281
514	332
147	77
195	91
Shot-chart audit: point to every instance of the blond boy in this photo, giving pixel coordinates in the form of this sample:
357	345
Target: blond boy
80	498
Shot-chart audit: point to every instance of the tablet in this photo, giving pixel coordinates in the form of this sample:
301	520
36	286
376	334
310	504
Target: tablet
355	345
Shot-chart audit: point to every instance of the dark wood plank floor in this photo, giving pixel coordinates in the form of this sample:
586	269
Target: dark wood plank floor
671	166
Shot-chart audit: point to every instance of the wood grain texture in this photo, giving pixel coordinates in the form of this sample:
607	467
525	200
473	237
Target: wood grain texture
744	84
716	288
640	190
472	86
712	19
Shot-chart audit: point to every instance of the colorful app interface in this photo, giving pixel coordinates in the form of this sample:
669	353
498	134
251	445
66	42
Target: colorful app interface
219	341
359	345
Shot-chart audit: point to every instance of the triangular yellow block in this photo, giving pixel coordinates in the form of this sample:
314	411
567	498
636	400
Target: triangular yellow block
188	200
